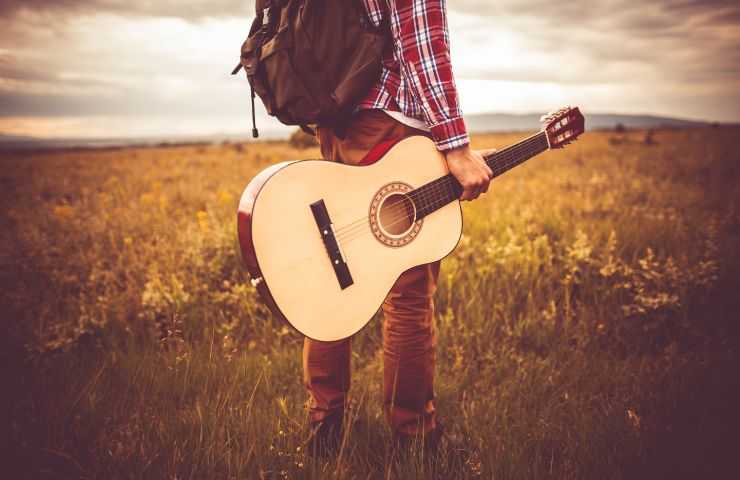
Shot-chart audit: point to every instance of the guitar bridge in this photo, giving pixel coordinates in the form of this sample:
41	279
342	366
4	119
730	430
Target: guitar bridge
326	230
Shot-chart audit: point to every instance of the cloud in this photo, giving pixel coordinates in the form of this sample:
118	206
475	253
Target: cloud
146	59
662	45
186	9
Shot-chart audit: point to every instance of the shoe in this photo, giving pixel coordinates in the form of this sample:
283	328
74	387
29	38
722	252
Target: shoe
325	436
434	440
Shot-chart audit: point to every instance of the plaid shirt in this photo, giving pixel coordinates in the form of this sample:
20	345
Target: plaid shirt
416	77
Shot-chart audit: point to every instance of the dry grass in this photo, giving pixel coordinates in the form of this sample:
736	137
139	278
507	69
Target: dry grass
587	322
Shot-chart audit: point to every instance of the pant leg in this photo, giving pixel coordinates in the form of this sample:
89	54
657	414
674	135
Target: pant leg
326	374
326	365
409	351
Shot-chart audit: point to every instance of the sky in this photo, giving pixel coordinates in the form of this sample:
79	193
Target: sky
135	68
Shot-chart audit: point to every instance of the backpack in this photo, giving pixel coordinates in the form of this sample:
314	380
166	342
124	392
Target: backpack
311	61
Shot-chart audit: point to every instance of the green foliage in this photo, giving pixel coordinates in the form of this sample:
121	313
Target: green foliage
302	140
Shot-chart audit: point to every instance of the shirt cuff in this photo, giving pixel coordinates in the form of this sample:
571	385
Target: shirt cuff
450	134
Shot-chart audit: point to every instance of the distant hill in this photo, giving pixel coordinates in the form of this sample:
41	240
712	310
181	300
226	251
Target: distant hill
498	122
5	138
488	122
20	143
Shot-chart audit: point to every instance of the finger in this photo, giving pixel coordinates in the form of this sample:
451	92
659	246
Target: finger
484	181
468	194
488	151
486	169
488	183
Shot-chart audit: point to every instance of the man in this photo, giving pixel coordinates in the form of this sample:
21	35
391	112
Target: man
415	95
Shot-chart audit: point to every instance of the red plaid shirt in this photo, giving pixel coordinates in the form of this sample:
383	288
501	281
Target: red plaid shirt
416	78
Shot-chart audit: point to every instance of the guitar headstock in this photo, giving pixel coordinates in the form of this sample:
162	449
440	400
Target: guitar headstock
563	126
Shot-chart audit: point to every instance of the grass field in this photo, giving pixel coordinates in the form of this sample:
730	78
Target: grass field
588	322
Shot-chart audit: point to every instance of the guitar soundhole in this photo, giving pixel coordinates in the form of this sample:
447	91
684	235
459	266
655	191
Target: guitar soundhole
393	216
396	214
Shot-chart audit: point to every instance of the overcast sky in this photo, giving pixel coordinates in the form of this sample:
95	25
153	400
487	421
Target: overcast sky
110	68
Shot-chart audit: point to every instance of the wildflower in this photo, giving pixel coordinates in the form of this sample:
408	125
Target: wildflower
64	212
225	198
202	220
550	312
128	241
146	199
598	179
283	405
633	419
542	249
611	268
650	265
657	301
581	250
611	243
105	198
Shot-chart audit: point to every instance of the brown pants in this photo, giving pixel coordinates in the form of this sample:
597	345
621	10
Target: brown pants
408	329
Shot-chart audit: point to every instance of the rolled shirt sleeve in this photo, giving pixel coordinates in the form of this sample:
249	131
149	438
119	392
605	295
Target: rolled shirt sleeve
422	40
417	77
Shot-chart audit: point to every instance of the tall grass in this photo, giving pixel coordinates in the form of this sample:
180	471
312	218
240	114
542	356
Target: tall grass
586	322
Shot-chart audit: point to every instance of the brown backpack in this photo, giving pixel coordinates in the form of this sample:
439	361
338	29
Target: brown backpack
311	61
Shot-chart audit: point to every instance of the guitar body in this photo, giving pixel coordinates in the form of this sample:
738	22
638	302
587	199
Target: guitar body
286	252
325	242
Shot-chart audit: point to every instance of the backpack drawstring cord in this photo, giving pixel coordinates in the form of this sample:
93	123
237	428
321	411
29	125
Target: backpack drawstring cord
255	132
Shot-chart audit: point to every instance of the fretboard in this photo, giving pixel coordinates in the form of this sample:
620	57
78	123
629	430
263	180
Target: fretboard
436	194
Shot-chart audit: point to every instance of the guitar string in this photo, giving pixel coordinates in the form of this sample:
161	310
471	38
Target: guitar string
423	195
365	229
439	187
505	160
443	186
505	168
428	195
431	194
529	153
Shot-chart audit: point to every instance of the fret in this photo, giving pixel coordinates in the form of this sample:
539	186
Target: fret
436	194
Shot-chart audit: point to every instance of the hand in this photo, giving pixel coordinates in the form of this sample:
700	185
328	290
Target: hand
469	168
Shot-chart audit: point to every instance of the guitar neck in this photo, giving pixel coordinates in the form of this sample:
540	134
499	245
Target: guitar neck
436	194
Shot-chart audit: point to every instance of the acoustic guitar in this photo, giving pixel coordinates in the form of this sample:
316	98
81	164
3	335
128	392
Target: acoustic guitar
324	242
